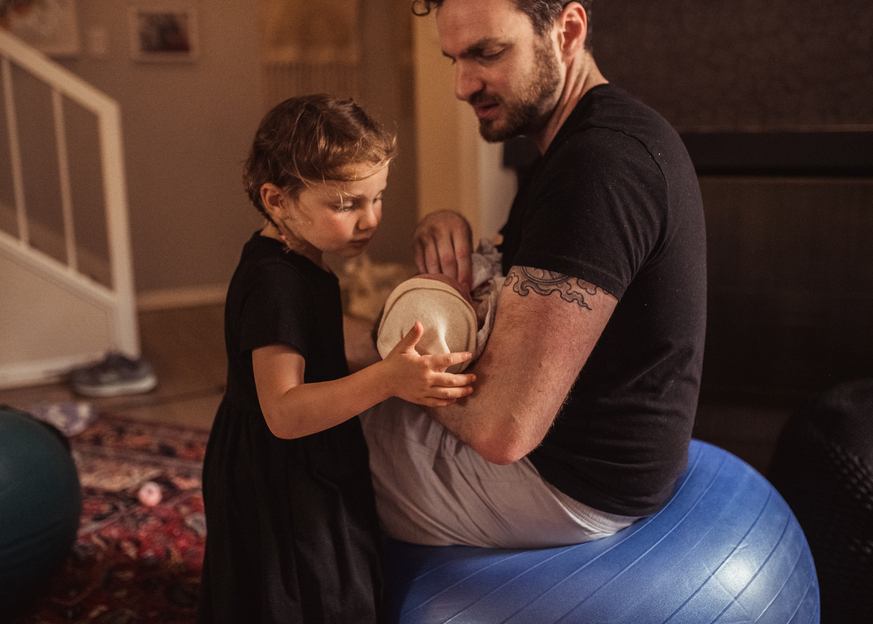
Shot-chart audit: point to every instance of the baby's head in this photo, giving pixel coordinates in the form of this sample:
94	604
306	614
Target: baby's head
444	309
314	139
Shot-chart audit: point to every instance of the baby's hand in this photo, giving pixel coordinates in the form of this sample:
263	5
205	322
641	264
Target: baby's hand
423	379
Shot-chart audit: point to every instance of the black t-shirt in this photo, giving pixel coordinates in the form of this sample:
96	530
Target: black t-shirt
615	202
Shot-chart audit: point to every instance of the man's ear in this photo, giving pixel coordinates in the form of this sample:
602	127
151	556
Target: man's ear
271	199
572	28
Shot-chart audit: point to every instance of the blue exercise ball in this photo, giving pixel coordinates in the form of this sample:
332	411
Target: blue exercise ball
726	548
40	504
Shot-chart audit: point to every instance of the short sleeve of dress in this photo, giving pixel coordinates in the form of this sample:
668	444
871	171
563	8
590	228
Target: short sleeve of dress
277	308
593	210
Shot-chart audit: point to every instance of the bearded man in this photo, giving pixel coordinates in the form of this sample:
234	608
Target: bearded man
581	416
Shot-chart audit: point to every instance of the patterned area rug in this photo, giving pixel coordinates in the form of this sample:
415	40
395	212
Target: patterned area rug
131	563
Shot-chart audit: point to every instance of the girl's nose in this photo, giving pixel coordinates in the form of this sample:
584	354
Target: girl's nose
371	217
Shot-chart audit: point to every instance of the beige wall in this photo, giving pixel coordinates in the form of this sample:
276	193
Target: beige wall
458	170
186	130
187	127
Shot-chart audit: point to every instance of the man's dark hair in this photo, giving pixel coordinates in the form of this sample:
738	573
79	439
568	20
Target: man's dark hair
542	13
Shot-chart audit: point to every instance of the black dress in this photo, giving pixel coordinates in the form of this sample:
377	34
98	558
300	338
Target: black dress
292	531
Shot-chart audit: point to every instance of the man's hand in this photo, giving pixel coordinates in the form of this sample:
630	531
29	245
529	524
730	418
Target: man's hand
443	243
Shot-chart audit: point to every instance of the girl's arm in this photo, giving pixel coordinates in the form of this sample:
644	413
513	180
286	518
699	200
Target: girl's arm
360	347
294	409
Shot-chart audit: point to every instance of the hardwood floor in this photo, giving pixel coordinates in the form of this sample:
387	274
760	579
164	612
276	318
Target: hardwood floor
186	349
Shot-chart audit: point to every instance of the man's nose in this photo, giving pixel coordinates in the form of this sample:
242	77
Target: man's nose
467	81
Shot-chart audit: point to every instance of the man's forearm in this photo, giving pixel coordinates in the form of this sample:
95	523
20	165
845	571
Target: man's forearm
546	326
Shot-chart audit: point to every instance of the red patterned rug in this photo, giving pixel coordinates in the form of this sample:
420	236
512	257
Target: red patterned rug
131	563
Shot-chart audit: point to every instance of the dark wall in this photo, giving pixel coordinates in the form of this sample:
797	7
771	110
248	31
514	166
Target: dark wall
790	283
742	64
775	101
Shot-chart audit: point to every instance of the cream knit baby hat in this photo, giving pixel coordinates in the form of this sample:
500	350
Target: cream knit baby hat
448	319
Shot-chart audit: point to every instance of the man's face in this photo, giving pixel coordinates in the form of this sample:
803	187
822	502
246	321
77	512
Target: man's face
509	74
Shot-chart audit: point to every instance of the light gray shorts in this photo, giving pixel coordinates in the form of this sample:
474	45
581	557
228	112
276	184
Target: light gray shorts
432	489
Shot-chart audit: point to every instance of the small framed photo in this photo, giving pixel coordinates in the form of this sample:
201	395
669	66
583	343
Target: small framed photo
159	33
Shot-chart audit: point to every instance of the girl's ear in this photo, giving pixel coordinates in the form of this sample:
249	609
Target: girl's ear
271	199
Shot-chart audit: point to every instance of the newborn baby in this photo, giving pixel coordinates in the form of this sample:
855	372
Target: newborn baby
446	312
453	320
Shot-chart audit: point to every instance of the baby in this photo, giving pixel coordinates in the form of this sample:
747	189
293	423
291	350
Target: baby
454	320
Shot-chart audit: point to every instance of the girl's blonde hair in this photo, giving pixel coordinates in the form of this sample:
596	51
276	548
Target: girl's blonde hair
314	139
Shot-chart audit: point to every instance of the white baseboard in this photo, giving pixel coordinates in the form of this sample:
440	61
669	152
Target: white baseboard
24	374
171	298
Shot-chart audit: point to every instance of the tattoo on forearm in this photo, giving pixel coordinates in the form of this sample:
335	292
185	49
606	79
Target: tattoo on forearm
527	280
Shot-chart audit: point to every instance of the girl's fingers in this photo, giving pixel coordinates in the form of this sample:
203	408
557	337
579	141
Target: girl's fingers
411	338
446	396
439	402
447	360
441	395
442	401
455	386
449	380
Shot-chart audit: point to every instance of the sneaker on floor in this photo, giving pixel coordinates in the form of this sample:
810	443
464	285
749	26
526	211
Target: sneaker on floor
114	376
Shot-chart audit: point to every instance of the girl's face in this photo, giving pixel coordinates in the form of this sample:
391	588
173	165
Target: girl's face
337	219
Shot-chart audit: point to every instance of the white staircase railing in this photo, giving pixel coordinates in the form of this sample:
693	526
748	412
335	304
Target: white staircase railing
111	300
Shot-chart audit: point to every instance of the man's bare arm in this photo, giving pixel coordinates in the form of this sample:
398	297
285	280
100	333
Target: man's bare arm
546	326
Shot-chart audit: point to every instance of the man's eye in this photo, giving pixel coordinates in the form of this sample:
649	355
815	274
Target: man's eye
491	55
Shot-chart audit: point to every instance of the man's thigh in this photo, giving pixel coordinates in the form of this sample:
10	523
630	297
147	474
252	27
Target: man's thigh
432	489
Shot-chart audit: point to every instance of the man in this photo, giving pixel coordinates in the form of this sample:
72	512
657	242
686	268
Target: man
580	420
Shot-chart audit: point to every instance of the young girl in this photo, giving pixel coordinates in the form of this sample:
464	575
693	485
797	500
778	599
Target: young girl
292	533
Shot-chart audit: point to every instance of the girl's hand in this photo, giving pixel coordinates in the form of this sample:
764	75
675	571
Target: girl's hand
422	379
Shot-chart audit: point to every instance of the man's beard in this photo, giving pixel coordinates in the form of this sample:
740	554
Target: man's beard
529	112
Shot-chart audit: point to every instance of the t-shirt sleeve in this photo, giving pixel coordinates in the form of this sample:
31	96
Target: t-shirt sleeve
277	309
596	211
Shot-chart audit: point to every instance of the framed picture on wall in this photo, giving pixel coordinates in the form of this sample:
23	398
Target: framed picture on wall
159	33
